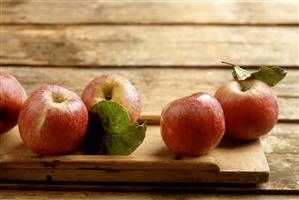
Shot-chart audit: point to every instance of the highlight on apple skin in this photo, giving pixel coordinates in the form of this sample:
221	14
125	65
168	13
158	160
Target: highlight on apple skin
250	108
12	97
115	88
193	125
53	120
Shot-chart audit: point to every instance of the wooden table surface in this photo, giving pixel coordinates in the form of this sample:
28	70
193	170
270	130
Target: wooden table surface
168	50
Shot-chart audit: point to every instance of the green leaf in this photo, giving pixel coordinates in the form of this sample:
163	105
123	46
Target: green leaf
114	118
269	75
124	144
110	132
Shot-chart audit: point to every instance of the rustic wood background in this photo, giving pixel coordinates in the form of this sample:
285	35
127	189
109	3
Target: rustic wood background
168	50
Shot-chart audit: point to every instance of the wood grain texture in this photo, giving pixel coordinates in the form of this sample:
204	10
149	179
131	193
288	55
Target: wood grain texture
230	162
75	162
155	12
59	195
131	176
158	34
157	86
151	155
281	151
139	46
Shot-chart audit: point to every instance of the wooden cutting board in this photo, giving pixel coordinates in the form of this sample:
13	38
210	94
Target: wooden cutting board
230	162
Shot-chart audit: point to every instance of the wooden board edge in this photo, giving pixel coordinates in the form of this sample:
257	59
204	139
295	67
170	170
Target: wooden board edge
130	176
98	162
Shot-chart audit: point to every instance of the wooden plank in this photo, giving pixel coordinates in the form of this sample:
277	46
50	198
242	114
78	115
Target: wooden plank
157	86
147	187
151	162
80	195
75	162
139	46
280	147
128	176
152	153
154	12
282	152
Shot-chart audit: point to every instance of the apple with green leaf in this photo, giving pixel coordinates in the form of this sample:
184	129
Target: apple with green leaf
114	107
249	104
12	97
113	87
53	120
193	125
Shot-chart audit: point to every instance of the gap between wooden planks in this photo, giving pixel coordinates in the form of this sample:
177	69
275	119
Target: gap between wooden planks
155	12
157	86
123	46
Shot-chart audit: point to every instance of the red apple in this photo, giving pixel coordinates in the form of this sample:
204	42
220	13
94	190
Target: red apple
193	125
115	88
250	108
53	120
12	97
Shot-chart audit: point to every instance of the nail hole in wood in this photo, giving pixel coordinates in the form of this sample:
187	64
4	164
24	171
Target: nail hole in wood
49	178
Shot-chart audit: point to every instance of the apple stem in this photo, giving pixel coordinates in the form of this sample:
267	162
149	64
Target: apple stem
108	97
244	85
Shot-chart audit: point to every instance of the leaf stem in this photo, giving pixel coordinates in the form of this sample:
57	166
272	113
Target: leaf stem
228	63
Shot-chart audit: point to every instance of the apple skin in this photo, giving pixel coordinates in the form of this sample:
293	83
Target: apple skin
248	114
115	88
193	125
53	120
12	97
